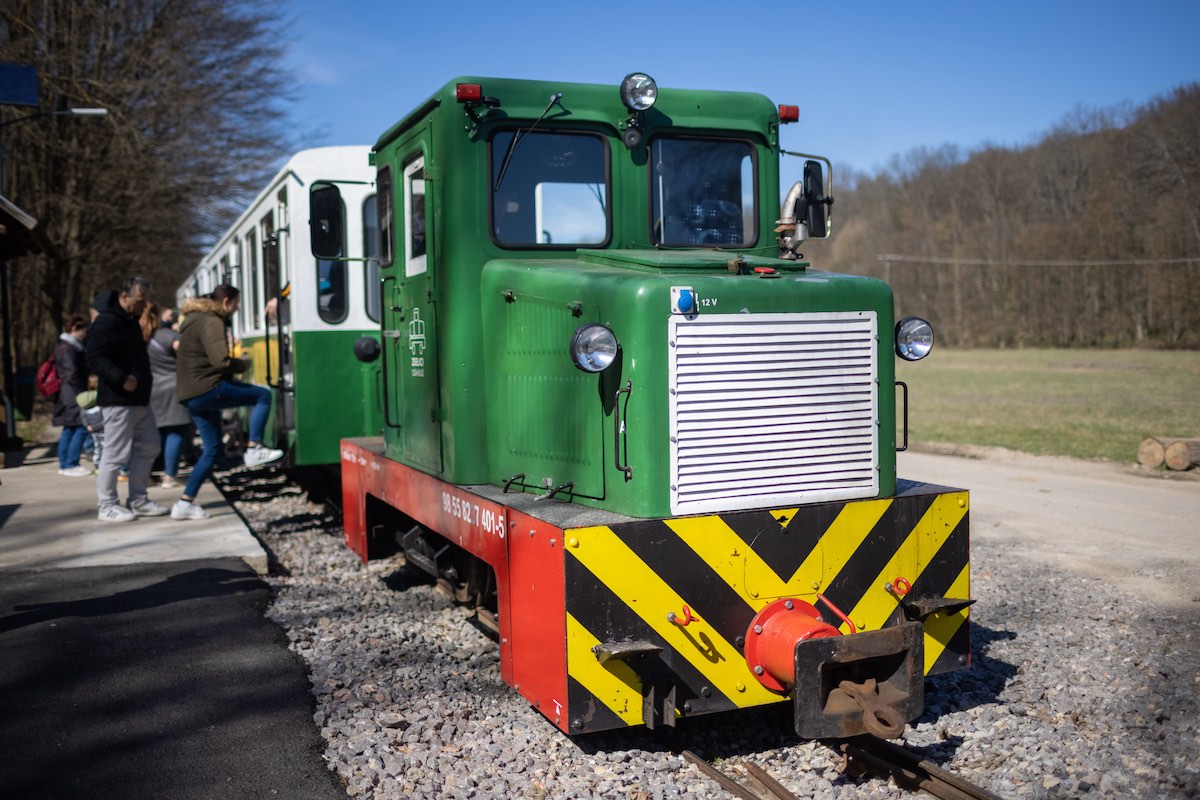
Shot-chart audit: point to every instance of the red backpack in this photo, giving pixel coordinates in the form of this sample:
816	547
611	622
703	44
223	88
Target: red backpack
47	381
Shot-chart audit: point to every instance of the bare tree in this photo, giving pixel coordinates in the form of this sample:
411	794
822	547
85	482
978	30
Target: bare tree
196	96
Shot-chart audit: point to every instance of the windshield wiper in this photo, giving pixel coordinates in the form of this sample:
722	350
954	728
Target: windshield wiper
519	137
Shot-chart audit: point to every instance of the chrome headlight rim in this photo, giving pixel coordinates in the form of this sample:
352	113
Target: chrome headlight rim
638	91
914	338
593	347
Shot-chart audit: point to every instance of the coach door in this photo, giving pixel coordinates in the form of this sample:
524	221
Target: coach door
416	360
278	322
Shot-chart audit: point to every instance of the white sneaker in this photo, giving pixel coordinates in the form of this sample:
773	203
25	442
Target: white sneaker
258	455
147	508
116	514
79	471
184	509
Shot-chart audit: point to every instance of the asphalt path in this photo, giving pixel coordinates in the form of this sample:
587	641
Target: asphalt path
158	680
1137	529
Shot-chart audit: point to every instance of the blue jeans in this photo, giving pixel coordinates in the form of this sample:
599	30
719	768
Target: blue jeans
206	411
70	445
172	447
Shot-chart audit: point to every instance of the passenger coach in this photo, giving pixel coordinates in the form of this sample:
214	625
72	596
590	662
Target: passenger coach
301	316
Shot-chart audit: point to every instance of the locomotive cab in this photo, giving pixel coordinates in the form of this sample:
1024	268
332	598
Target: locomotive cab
610	376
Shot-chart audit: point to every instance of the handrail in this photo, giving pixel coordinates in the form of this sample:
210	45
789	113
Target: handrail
384	310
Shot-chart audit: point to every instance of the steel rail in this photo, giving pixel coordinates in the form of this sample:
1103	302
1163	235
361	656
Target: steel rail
886	759
771	788
909	769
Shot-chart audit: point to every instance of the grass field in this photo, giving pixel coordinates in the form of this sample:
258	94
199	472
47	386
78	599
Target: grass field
1082	403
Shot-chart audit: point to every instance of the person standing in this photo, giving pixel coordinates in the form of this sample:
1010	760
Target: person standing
205	385
172	418
116	354
71	363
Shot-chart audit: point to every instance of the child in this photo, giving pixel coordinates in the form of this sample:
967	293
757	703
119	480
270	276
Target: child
93	420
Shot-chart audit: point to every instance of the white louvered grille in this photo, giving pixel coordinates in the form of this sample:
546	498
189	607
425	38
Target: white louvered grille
772	410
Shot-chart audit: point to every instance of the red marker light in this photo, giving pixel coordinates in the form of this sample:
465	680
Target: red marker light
764	270
468	92
789	113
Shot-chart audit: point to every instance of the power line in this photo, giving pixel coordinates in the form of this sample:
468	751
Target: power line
984	262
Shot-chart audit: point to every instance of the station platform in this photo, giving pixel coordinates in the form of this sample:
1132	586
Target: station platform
49	522
137	660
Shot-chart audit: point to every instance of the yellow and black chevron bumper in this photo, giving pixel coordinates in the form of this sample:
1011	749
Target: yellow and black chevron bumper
657	611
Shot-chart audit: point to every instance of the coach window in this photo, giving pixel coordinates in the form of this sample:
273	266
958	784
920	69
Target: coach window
252	279
702	193
370	217
283	254
331	273
386	222
549	189
237	277
414	216
331	290
270	255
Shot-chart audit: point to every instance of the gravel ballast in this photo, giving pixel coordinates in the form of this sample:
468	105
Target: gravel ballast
1076	689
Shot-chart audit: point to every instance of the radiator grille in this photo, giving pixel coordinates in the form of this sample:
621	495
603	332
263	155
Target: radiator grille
772	410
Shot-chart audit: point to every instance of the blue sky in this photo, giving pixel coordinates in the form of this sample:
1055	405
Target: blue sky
873	79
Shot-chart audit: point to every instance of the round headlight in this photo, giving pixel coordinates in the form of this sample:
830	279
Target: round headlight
593	347
914	338
638	91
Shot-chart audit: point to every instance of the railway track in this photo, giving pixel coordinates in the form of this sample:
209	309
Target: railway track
882	758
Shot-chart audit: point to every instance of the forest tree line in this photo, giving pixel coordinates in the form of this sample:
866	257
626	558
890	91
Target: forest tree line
1088	238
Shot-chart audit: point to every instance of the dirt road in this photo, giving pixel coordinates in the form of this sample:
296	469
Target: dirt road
1137	529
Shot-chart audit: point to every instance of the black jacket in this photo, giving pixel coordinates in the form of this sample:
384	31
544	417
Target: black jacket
116	350
69	359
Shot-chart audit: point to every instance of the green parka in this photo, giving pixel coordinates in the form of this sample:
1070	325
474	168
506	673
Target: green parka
203	357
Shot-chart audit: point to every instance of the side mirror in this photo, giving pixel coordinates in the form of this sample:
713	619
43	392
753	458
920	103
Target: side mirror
813	202
326	221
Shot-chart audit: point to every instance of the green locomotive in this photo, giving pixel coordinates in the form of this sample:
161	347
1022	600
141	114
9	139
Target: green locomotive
626	418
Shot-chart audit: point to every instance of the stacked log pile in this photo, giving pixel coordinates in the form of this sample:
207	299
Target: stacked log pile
1173	452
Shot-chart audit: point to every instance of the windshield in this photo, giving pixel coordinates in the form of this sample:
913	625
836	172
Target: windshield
555	189
702	193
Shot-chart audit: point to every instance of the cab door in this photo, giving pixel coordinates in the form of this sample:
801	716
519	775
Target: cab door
416	322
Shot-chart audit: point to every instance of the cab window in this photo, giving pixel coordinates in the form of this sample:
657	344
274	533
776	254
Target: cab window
549	189
702	193
414	216
384	208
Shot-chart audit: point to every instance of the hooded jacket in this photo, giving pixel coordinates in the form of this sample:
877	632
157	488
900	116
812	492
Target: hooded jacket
71	363
116	350
203	359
